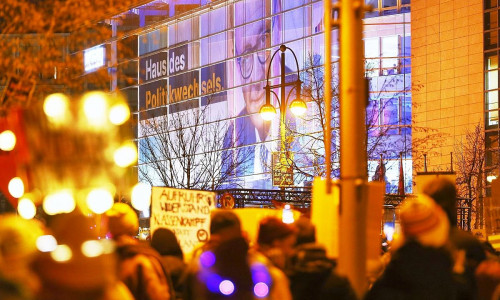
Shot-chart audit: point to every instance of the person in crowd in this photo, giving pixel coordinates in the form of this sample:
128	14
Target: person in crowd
226	268
80	267
421	266
17	251
444	193
165	243
312	274
488	279
276	240
139	265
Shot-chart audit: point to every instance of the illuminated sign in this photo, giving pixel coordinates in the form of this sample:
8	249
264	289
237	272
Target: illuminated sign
93	58
178	60
183	87
153	95
153	67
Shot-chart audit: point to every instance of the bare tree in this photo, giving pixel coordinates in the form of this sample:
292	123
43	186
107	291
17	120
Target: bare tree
187	150
43	42
470	157
381	138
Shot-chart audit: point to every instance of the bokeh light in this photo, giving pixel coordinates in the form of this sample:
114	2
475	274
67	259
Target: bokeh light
55	107
59	202
62	253
95	107
99	200
7	140
207	259
141	196
287	216
119	113
226	287
46	243
26	208
261	290
16	187
92	248
125	155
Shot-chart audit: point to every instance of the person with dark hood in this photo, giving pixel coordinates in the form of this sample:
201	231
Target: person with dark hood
444	193
165	242
312	274
421	266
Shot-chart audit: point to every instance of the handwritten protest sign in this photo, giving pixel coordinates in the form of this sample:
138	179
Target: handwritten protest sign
185	212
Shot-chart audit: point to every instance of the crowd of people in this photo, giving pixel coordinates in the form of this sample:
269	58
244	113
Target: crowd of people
64	258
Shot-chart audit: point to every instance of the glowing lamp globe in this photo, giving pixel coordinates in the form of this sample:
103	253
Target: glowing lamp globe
267	112
298	107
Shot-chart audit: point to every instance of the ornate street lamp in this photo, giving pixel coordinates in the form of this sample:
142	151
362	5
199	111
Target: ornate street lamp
297	106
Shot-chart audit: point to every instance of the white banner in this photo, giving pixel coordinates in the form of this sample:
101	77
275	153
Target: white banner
185	212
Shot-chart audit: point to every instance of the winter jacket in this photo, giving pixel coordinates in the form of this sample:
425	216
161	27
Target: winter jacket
141	270
312	276
416	272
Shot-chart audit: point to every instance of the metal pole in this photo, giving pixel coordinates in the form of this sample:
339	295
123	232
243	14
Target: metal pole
353	173
284	150
327	6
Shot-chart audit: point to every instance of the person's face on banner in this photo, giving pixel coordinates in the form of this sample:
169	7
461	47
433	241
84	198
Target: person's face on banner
252	66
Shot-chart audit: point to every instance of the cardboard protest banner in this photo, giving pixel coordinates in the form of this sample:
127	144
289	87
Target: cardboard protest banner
185	212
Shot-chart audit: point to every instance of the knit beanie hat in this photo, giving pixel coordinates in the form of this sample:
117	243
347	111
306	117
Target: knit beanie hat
425	221
122	220
272	229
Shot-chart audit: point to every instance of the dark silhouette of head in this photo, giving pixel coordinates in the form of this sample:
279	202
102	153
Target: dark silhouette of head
224	225
444	193
165	242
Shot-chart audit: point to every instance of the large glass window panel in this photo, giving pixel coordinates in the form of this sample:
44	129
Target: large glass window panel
204	24
406	47
217	47
372	47
218	20
317	17
491	80
490	3
239	13
254	10
389	3
491	139
491	40
205	51
390	46
153	41
491	20
491	60
406	111
276	30
318	49
491	100
373	3
287	4
492	117
294	24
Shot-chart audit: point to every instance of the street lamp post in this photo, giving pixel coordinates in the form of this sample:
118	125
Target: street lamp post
297	106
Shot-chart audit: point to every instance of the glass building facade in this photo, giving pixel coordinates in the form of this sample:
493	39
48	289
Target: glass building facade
213	57
491	54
